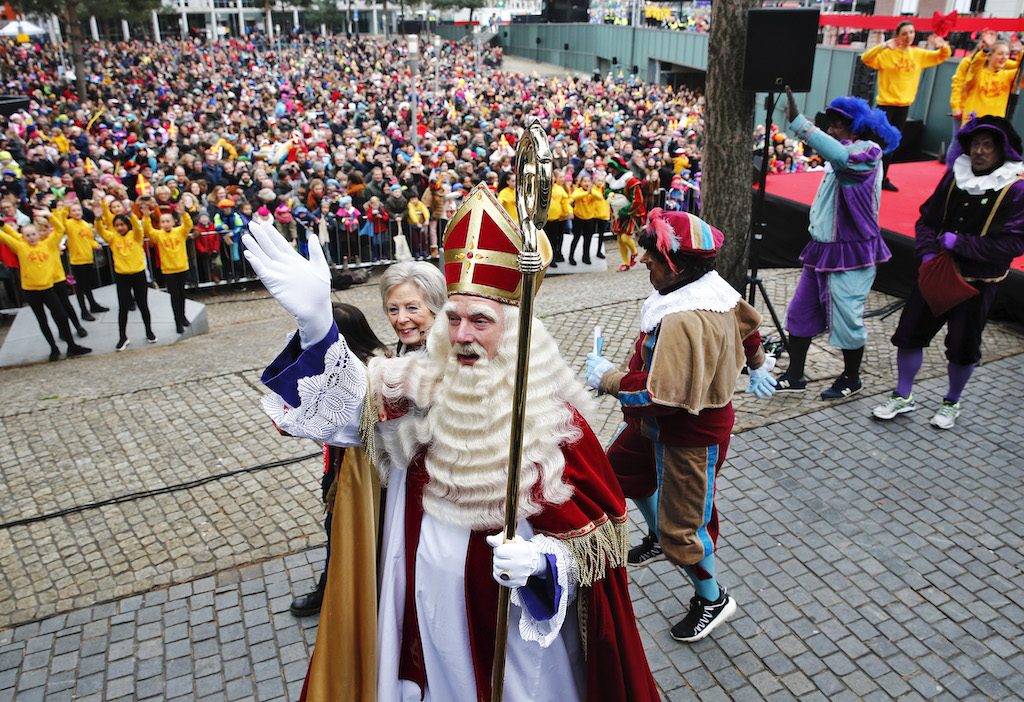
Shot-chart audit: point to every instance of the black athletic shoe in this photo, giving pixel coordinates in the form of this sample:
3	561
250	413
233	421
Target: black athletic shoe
150	337
122	345
843	387
76	350
54	355
180	329
703	617
887	185
86	317
185	322
81	332
787	383
647	552
98	309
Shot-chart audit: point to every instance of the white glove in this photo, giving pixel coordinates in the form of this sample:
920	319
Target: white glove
303	288
514	562
597	366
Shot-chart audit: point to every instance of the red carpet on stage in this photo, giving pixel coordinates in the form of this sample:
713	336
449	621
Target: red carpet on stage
899	211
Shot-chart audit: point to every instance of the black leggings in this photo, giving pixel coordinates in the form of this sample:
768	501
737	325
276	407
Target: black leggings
584	228
37	299
63	292
85	281
175	283
131	285
897	117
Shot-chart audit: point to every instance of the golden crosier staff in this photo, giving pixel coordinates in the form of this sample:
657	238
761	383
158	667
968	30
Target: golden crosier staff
533	195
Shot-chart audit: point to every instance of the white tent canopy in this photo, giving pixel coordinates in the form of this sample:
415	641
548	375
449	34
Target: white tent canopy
13	29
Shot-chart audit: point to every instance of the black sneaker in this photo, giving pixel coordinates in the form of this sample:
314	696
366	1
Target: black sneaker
787	383
54	355
81	332
77	350
888	186
703	617
843	387
648	551
86	317
122	345
99	309
150	337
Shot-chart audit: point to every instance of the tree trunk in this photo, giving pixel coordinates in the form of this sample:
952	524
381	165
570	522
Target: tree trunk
728	138
75	39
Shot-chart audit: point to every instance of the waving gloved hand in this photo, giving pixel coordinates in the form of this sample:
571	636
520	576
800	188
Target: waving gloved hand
947	240
762	384
514	562
303	288
597	366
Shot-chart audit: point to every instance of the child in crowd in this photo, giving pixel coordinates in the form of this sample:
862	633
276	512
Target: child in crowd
36	257
377	222
418	217
170	241
348	219
81	243
124	235
207	249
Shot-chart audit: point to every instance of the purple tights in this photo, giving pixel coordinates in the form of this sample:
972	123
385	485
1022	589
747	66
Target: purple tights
958	377
908	363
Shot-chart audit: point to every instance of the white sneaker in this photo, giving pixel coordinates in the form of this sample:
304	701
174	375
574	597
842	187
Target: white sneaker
945	418
893	406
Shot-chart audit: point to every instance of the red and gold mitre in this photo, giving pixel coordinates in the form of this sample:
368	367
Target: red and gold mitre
481	250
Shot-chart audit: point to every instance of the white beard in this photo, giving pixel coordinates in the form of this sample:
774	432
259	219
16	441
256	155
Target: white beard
463	418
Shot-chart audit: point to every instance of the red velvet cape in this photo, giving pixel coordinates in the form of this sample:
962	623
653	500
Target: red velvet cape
617	669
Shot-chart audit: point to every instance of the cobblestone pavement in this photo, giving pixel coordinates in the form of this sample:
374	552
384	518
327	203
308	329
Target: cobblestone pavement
870	560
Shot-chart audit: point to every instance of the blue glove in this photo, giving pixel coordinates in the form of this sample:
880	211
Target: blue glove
597	366
948	240
927	257
762	384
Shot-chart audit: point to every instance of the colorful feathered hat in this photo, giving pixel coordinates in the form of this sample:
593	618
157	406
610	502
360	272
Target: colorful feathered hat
683	234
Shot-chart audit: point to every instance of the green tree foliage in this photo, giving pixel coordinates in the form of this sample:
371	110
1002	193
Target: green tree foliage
471	5
72	13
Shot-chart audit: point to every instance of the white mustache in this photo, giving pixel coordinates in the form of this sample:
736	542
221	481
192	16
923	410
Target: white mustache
468	350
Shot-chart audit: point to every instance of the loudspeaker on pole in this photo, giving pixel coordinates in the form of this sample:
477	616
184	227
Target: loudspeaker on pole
780	49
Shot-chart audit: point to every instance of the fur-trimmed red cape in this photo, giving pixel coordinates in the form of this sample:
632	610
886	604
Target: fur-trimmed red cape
591	524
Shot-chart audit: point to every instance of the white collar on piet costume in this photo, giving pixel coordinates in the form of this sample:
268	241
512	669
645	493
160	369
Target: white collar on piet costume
620	182
709	292
978	184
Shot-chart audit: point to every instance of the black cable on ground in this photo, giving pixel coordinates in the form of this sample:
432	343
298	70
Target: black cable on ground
130	497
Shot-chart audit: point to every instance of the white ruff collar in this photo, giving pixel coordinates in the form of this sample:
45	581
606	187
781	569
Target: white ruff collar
620	182
709	293
975	184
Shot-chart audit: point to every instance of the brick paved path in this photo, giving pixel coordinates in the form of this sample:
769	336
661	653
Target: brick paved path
870	561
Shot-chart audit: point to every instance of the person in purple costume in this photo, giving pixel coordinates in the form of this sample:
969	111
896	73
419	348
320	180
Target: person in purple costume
846	244
977	214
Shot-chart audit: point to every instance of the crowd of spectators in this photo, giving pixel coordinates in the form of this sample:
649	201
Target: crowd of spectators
317	134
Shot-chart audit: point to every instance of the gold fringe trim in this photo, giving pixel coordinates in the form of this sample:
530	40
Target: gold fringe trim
597	547
367	434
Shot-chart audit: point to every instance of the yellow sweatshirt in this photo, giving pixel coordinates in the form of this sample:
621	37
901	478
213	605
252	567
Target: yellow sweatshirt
978	90
81	238
587	204
899	71
36	260
418	213
507	198
173	252
129	255
561	206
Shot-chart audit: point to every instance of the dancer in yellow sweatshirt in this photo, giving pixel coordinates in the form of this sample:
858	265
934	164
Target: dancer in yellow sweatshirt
170	241
125	236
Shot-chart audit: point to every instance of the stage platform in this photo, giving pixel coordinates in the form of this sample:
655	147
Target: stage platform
788	202
25	343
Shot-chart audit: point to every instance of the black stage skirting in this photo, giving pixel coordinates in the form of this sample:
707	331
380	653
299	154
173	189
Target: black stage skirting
787	234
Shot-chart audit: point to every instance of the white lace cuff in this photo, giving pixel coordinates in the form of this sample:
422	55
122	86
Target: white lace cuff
330	402
544	632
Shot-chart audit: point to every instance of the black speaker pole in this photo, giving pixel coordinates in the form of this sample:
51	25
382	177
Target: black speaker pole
758	226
